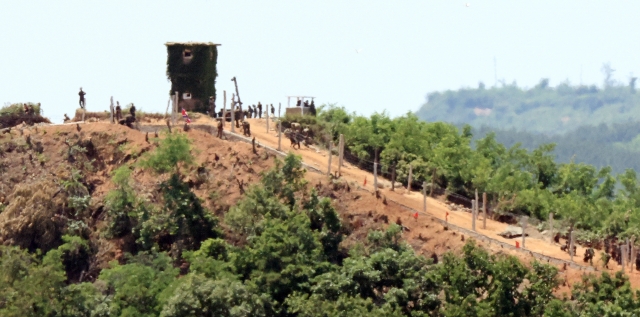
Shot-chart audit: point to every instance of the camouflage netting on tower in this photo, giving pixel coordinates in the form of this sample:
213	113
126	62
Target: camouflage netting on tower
195	73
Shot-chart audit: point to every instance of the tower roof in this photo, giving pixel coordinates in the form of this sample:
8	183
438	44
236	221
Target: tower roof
192	43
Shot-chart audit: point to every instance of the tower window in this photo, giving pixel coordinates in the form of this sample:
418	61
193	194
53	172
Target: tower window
187	56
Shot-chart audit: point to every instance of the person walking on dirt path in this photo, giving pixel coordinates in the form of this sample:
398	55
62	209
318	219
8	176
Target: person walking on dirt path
259	110
605	259
81	94
273	111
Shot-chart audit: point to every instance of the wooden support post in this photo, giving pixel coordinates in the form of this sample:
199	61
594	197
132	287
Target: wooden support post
484	210
632	253
473	216
477	204
424	197
340	156
279	105
224	108
623	253
175	108
571	240
232	106
279	135
375	175
111	110
524	228
330	155
253	143
409	180
551	227
393	178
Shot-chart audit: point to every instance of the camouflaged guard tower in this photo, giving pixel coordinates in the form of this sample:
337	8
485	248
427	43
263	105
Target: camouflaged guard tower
191	68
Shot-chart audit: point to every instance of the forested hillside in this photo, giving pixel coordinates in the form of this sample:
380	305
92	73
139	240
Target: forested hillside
616	145
542	109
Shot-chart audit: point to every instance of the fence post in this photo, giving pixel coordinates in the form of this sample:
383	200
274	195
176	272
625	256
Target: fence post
484	210
111	109
409	180
224	108
393	178
340	154
424	197
632	253
473	216
477	205
279	105
375	175
232	107
330	149
623	253
551	227
279	125
524	228
571	238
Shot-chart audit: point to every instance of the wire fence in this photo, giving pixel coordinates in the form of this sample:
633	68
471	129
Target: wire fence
470	233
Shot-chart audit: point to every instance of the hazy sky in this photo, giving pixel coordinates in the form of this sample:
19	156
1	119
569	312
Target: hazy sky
279	48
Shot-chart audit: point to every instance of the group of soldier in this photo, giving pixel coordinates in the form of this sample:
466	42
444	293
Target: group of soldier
612	250
253	111
311	106
29	110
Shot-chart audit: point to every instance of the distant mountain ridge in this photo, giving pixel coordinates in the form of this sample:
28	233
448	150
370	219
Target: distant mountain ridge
542	109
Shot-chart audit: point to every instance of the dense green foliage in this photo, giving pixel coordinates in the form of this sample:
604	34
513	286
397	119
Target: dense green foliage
516	180
198	76
286	256
541	109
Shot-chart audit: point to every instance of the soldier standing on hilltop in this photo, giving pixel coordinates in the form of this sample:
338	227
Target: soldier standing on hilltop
259	110
132	111
118	111
273	111
312	108
81	94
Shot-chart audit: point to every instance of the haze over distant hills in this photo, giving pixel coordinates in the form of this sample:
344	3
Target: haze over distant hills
595	125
